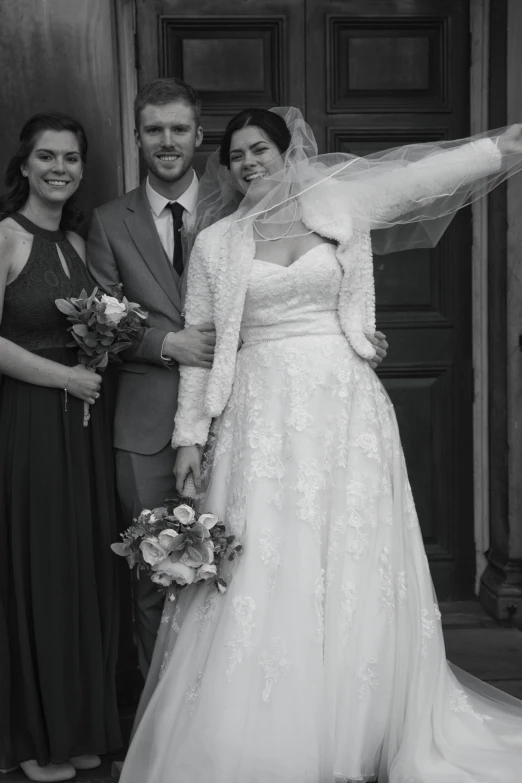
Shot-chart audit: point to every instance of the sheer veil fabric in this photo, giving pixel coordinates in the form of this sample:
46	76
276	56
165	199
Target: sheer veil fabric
324	661
304	171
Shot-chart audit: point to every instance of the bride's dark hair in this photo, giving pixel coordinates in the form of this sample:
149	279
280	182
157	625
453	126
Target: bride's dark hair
17	185
272	124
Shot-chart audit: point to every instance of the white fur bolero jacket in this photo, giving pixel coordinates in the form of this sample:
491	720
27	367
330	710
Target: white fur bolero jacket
221	261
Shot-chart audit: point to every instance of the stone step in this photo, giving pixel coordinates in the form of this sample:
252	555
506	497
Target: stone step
474	641
107	773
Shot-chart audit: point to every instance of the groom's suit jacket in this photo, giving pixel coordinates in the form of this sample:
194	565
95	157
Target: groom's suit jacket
124	247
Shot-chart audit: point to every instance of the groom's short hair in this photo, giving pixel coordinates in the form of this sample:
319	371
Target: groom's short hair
166	90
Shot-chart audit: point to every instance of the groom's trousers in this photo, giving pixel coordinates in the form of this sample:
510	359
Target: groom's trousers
145	481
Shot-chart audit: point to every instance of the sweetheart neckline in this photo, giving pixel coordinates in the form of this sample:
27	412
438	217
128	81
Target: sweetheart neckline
280	266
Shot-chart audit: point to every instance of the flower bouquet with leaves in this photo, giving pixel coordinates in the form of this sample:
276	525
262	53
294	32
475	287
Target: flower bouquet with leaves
176	547
101	326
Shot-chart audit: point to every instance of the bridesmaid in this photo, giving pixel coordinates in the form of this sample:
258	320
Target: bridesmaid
58	601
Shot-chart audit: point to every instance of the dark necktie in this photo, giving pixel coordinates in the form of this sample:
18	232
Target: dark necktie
177	220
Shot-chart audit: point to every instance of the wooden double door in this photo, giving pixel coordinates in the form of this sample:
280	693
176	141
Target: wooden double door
367	74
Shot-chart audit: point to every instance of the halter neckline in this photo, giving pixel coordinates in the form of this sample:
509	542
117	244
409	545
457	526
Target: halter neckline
33	228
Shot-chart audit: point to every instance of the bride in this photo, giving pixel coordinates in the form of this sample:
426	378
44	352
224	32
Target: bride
324	661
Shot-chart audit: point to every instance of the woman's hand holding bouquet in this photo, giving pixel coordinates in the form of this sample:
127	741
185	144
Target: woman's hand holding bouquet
102	327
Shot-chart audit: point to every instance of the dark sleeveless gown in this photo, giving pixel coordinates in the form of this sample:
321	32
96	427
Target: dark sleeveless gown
58	584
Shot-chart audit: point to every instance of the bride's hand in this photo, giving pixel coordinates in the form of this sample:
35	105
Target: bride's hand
511	140
188	459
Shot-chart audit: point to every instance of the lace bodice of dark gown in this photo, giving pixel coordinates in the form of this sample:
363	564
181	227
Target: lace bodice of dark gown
30	316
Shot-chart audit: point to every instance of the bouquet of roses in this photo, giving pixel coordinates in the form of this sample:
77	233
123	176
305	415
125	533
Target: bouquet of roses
102	326
176	548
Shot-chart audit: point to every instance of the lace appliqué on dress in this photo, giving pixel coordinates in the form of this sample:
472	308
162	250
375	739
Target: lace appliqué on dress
164	664
269	545
241	645
386	586
310	481
358	545
459	703
368	677
267	445
236	512
319	594
192	694
274	661
427	631
411	513
348	602
338	433
167	619
369	445
205	612
402	586
337	530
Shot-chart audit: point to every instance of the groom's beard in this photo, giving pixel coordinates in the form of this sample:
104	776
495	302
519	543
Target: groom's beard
168	171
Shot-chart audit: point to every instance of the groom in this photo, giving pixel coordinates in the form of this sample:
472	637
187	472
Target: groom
135	241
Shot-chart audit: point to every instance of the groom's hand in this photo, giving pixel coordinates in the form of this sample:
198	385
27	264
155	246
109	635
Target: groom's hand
193	346
381	348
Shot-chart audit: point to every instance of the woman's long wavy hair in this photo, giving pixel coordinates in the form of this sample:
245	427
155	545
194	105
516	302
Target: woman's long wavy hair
17	185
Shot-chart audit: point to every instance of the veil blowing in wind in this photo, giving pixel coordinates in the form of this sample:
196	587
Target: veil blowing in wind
304	172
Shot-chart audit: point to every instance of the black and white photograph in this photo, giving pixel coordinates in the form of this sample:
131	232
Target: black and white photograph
261	391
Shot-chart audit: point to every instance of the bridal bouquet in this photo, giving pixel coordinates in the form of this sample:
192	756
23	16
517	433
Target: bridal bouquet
102	326
176	548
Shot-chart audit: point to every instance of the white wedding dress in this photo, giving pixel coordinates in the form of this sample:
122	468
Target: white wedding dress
325	659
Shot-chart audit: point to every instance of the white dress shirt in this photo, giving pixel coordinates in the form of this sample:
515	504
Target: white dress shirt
162	215
164	223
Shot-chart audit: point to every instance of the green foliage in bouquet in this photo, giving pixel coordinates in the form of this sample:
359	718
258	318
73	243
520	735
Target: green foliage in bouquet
102	326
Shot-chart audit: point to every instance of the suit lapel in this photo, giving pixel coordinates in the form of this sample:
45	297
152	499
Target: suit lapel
140	226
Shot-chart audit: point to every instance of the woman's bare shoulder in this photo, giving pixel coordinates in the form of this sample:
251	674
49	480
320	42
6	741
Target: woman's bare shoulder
10	230
12	238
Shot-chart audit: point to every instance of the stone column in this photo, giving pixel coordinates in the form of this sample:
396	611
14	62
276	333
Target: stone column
501	585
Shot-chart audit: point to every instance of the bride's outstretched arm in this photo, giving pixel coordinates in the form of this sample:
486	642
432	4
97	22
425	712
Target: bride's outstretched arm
444	176
191	423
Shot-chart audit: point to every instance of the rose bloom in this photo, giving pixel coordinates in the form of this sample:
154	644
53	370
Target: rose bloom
177	572
191	562
114	310
166	537
184	514
152	551
205	571
160	579
209	520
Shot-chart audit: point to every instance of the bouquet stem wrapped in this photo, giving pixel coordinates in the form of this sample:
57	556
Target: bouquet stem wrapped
101	326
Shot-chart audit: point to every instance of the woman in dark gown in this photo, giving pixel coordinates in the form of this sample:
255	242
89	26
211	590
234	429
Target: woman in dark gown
58	597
